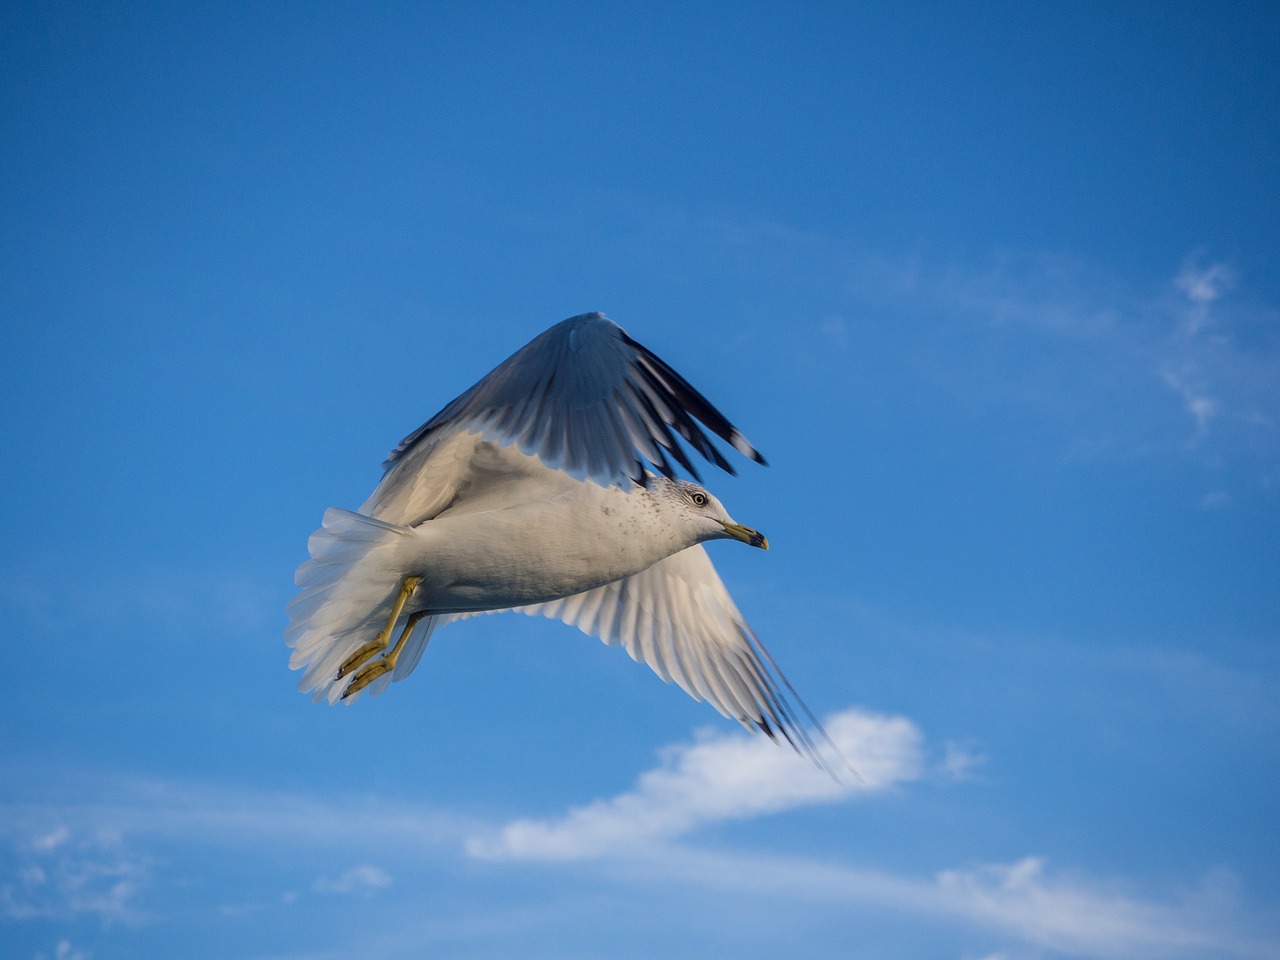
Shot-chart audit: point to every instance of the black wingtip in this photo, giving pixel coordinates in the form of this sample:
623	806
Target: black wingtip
664	379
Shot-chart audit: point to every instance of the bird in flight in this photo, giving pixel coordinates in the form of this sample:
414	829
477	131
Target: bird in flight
547	488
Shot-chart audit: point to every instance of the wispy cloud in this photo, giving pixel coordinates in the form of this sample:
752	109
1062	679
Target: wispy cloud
1202	284
1070	915
959	762
1184	371
1083	918
1110	365
107	854
1187	382
63	874
362	880
1149	367
199	813
82	859
64	950
649	832
729	777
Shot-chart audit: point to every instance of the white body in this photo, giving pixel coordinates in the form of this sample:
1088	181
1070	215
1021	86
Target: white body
545	550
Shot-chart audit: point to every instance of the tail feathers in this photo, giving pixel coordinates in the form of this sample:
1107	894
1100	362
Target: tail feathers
345	595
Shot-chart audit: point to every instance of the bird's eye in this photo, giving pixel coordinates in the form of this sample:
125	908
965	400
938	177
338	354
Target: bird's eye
699	499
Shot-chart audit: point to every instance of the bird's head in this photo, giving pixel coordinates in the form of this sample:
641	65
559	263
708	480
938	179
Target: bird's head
708	516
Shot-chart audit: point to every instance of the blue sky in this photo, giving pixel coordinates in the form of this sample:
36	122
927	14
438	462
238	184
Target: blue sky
996	288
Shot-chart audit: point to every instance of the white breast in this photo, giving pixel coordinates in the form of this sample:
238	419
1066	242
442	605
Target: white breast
543	550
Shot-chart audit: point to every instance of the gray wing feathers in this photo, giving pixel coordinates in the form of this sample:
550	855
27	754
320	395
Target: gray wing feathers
678	618
586	399
428	480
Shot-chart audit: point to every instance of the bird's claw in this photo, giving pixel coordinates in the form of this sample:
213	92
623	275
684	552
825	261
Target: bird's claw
364	652
366	675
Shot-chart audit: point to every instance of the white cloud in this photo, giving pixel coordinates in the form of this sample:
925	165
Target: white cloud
52	840
364	879
64	950
1108	366
1070	916
1202	286
733	778
1199	405
958	762
1215	499
96	858
1088	918
728	777
65	874
202	814
78	862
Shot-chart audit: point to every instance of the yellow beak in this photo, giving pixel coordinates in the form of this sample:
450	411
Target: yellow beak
748	536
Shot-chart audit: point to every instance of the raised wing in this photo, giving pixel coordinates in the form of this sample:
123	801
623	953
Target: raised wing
583	397
677	617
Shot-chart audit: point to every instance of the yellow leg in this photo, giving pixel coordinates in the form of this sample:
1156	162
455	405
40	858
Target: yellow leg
394	653
387	662
384	664
379	643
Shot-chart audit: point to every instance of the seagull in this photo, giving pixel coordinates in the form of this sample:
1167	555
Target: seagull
547	488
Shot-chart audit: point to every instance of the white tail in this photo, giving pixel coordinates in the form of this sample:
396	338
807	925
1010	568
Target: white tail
347	589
